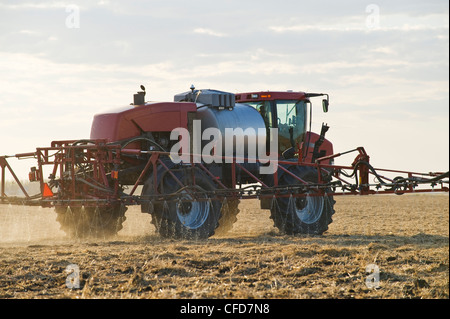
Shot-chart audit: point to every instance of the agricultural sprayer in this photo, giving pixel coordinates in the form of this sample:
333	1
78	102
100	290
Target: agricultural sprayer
189	162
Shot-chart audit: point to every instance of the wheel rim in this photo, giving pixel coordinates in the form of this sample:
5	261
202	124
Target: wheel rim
309	209
192	214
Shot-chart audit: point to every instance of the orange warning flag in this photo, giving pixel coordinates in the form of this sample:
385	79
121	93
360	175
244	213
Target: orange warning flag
47	191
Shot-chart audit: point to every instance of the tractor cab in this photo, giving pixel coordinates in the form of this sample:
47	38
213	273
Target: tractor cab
286	111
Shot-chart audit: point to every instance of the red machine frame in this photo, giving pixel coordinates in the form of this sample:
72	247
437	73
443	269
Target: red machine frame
100	185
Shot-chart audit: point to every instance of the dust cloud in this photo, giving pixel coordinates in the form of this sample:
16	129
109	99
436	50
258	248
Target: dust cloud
24	224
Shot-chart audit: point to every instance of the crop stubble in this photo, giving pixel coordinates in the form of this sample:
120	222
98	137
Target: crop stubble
406	237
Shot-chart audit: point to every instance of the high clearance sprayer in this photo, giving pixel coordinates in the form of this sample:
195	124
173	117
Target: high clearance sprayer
195	158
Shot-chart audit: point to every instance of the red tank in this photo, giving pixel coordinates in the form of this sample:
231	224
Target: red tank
133	120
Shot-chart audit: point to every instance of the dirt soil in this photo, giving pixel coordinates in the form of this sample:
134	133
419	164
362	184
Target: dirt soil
404	240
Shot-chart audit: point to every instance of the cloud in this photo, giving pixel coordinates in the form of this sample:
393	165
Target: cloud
352	27
33	5
209	32
386	22
30	32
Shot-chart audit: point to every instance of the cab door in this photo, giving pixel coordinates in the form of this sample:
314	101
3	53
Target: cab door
288	116
291	123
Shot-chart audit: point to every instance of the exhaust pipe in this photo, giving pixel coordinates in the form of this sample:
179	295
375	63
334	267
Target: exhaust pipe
139	97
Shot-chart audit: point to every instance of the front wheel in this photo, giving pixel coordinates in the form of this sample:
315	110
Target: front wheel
309	214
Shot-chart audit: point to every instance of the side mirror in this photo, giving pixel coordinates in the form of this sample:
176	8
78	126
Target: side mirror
325	105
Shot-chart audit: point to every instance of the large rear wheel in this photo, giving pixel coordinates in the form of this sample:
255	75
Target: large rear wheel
186	212
190	211
309	214
229	212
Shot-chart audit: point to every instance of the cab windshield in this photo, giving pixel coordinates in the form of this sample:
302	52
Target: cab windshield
289	116
291	122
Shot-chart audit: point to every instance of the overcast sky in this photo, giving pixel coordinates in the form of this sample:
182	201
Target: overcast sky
385	65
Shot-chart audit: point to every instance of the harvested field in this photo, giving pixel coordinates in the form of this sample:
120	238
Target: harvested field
406	237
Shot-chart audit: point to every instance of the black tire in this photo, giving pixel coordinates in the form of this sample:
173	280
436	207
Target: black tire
91	222
180	216
230	210
302	215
